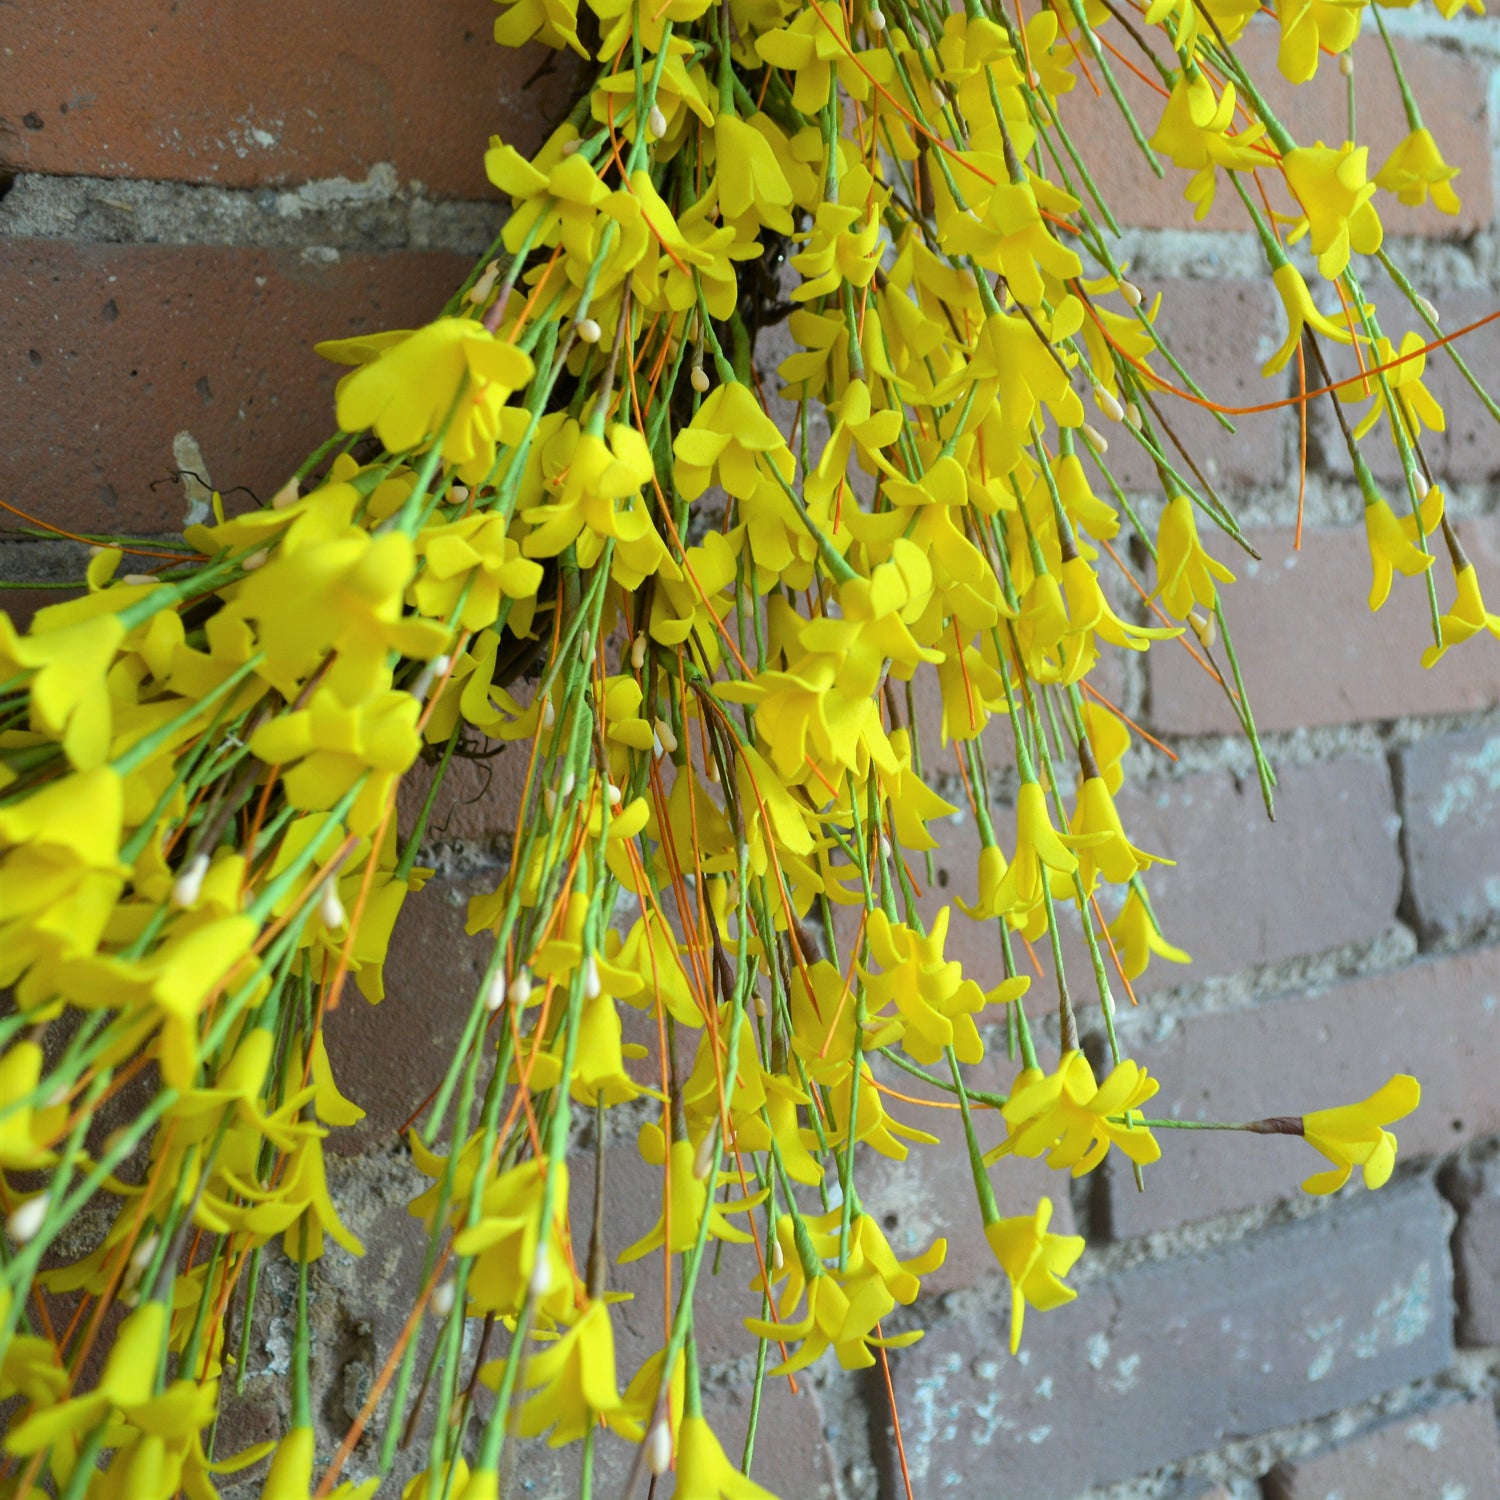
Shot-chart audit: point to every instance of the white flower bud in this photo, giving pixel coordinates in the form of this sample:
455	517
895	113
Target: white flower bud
1131	293
588	330
638	652
189	883
570	147
144	1252
444	1295
711	770
519	992
139	579
1096	439
1346	65
331	908
667	735
566	785
1132	415
541	1274
656	123
1206	628
698	379
1428	309
1108	404
659	1447
549	714
288	494
482	288
458	494
549	801
939	98
593	986
875	20
495	990
1420	484
761	1008
612	794
437	667
257	559
25	1222
705	1157
778	1256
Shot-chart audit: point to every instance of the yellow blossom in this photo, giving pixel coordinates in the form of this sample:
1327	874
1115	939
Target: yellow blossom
1301	313
1035	1261
1185	572
1138	939
1330	186
1354	1135
1467	617
1416	169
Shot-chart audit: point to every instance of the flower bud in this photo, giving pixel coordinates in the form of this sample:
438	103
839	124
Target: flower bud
541	1274
482	288
257	559
638	652
778	1256
444	1295
612	794
331	908
875	20
1132	415
1420	484
1131	293
705	1157
1346	65
495	990
698	379
25	1222
188	886
656	123
287	495
659	1447
1096	439
588	330
549	714
667	735
519	991
570	147
1108	404
1205	628
1427	308
593	986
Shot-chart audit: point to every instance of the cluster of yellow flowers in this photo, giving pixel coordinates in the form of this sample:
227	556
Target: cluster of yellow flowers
735	640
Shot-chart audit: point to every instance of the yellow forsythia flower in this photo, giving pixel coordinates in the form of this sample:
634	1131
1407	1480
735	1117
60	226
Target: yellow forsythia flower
1354	1135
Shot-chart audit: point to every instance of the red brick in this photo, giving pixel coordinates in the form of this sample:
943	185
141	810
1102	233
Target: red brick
1436	1020
476	804
1311	651
240	94
1432	1455
1474	1186
1450	803
1193	321
1167	1360
113	349
1452	91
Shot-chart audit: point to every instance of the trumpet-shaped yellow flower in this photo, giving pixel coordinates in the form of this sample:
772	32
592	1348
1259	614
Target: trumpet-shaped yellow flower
290	1476
1114	856
571	1379
703	1470
1393	541
1185	573
1467	617
1039	849
450	378
812	47
69	694
1194	132
474	559
1415	170
1310	27
727	436
690	1198
1354	1135
1035	1261
1301	313
1138	940
1071	1118
1330	186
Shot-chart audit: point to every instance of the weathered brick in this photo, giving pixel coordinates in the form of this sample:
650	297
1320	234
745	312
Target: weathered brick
1450	806
1246	891
1437	1020
1194	315
112	349
1452	91
1474	1186
387	1058
241	94
1434	1455
1171	1359
1311	651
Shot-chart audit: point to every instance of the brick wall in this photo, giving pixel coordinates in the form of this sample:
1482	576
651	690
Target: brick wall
195	193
